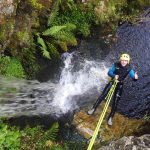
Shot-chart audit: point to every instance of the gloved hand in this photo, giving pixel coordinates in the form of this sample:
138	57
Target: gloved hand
116	77
136	76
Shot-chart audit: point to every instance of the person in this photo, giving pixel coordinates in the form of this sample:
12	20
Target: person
118	71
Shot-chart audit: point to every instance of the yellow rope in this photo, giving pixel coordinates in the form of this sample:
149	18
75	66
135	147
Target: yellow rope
108	97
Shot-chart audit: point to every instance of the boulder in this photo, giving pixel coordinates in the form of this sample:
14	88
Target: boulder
129	143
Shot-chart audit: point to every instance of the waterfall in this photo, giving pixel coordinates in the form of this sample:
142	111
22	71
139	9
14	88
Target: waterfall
78	78
80	81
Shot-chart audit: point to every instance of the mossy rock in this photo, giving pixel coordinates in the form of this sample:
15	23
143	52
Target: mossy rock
122	126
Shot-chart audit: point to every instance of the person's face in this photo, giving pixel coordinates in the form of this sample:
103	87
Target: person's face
124	62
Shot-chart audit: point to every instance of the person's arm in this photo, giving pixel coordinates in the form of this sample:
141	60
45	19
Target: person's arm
133	75
111	71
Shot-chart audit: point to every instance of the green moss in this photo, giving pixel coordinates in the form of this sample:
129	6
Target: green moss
2	33
11	67
35	4
23	36
35	20
110	12
5	29
28	61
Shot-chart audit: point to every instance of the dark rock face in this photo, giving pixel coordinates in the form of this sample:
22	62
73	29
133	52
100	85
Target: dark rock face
129	143
135	40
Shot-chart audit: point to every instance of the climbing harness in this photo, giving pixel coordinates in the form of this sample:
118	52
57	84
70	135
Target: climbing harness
108	99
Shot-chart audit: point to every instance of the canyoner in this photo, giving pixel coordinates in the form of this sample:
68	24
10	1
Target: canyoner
108	99
118	72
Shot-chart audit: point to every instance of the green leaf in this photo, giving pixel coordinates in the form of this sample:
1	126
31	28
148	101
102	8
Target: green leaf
46	54
53	30
53	50
67	37
53	13
70	27
9	139
52	132
63	45
42	43
43	47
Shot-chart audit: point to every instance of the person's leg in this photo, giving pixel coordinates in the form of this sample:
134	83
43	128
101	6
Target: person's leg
100	98
117	96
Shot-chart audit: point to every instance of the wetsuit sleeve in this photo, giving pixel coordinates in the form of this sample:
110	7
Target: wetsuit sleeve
111	71
132	75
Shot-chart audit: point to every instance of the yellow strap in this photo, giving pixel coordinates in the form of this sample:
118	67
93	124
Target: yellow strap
108	97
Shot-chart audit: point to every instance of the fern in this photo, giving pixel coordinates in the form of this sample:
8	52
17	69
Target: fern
53	13
51	134
43	47
63	45
41	42
67	4
61	36
67	37
71	5
70	26
53	50
46	53
57	35
53	30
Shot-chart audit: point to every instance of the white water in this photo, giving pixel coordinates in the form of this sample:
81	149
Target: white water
78	78
91	75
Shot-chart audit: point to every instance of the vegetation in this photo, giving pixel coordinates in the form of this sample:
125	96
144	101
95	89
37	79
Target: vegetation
82	18
9	138
56	37
35	4
65	20
112	11
11	67
34	138
27	57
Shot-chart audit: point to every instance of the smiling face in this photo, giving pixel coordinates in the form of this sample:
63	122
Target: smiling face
124	62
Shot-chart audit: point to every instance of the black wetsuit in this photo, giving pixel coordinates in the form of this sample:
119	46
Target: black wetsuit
116	69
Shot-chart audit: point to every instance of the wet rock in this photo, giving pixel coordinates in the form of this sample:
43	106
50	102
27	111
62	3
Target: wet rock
122	126
129	143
